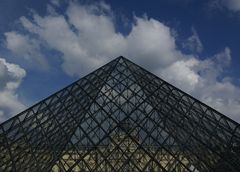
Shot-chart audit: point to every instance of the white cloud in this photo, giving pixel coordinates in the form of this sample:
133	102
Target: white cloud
95	39
25	47
232	4
55	2
11	76
87	38
151	42
200	78
182	74
193	43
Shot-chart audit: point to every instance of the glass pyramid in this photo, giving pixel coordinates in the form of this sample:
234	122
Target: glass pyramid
120	118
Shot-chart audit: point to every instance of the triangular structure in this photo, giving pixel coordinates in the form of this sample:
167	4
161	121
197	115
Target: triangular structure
120	118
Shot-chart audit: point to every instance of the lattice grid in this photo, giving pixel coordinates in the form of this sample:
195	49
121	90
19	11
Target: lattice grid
120	118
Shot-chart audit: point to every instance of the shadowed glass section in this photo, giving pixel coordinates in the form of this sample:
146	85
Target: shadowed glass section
120	118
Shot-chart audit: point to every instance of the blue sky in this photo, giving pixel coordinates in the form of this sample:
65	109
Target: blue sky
46	45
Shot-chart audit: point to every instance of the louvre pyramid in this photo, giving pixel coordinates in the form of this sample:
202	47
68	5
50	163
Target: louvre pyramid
120	118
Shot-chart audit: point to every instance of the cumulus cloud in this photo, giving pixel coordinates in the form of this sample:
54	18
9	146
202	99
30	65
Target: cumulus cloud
182	74
203	79
233	5
86	37
26	48
55	2
152	43
193	43
94	39
11	76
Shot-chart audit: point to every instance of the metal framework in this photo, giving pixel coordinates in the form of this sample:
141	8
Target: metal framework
120	118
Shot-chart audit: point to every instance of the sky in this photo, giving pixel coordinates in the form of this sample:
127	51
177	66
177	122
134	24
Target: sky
46	45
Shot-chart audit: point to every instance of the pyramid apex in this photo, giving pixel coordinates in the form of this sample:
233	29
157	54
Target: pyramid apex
121	58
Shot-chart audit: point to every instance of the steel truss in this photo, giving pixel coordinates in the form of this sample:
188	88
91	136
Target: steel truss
120	118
